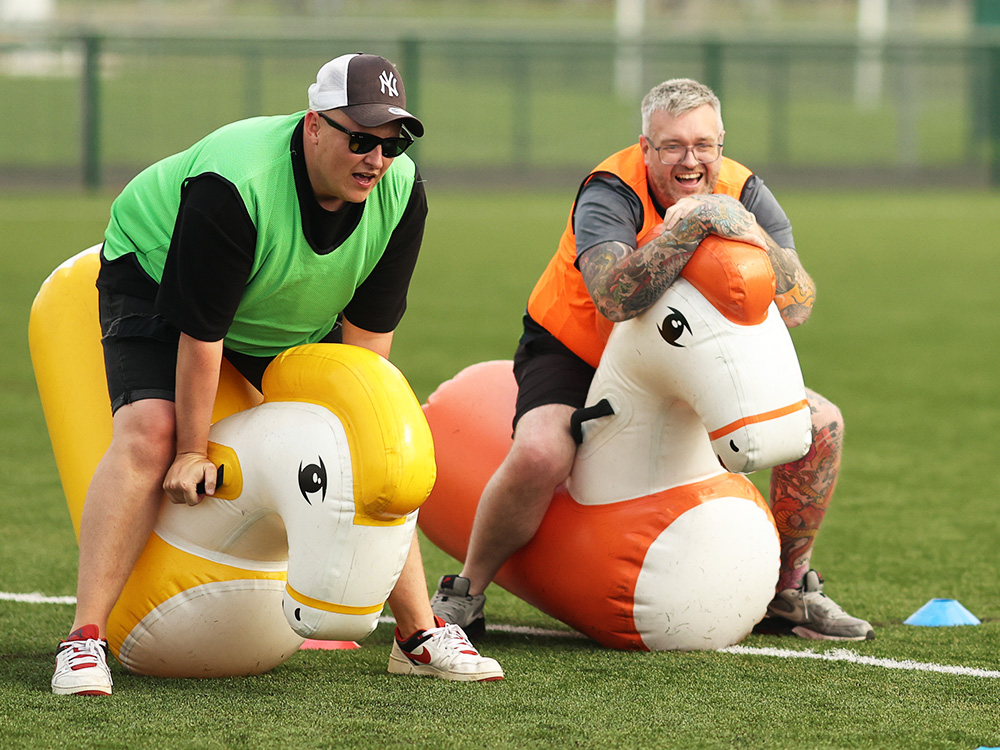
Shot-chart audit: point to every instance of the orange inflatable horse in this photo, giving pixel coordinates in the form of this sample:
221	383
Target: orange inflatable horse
657	541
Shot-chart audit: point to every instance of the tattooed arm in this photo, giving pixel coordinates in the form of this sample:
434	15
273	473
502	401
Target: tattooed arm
624	281
795	292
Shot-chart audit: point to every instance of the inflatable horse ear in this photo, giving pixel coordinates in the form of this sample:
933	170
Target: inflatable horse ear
653	543
310	524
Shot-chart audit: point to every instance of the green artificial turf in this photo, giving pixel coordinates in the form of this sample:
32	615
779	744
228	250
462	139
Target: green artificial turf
903	339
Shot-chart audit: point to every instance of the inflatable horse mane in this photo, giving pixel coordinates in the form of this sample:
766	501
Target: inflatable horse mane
657	541
312	519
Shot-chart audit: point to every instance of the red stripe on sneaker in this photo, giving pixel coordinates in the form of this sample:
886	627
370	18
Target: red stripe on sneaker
424	657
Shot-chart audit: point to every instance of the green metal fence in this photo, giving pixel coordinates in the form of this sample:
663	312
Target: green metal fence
90	108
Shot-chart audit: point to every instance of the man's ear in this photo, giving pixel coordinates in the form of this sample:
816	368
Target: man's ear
310	128
644	146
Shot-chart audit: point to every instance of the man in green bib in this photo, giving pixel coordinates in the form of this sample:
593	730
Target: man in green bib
268	233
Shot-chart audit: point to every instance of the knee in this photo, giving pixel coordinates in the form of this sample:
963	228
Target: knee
146	436
825	414
827	424
539	461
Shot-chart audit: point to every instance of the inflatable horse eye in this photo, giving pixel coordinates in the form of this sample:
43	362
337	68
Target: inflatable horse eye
312	480
654	545
311	522
673	327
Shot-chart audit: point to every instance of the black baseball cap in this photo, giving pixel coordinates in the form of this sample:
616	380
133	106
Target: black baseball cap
367	88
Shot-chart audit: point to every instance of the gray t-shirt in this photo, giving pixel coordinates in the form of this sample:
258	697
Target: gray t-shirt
608	210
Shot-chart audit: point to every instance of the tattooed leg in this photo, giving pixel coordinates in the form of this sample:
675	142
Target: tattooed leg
801	491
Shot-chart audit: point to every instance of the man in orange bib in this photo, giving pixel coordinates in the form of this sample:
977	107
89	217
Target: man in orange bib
637	219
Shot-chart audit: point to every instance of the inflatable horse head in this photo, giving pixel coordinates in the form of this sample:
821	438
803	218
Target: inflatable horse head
310	523
657	541
711	355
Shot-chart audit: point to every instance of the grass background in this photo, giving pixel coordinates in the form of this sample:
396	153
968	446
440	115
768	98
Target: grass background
903	339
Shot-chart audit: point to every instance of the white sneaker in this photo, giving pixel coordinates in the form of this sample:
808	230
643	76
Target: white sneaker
82	664
442	652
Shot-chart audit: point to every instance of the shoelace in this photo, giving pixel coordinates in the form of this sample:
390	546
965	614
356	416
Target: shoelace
89	650
833	610
454	637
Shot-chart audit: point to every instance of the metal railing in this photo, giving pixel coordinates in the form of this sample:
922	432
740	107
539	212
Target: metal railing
519	107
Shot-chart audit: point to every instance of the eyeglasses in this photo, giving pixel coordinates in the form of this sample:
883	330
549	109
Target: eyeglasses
674	153
362	143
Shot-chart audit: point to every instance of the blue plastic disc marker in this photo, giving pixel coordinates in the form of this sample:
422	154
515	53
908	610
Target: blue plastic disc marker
941	613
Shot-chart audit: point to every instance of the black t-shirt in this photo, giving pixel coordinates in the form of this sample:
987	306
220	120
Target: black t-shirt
212	251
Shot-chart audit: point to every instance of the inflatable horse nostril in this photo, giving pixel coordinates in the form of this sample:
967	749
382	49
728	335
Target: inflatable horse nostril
298	614
733	446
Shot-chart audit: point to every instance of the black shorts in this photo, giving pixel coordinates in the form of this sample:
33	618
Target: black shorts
140	349
547	372
140	346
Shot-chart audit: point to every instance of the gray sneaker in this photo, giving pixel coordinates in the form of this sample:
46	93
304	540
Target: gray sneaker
812	614
453	604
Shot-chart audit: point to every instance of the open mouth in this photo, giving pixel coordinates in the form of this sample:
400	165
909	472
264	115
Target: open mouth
688	179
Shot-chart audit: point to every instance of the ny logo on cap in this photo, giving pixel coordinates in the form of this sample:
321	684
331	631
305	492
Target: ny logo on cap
388	81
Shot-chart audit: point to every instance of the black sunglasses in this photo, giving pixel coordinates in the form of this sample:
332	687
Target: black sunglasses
362	143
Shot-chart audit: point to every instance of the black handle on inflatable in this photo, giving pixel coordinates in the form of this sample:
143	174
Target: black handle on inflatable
601	409
200	487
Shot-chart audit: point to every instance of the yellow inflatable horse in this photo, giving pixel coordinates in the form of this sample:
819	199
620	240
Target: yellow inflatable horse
306	534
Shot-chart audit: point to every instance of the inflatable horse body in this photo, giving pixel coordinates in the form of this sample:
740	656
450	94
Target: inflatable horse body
652	543
310	523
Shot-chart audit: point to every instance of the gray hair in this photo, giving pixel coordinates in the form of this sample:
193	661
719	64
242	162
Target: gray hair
676	97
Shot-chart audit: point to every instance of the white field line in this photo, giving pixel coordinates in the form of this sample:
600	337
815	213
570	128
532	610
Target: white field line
36	598
843	654
837	654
